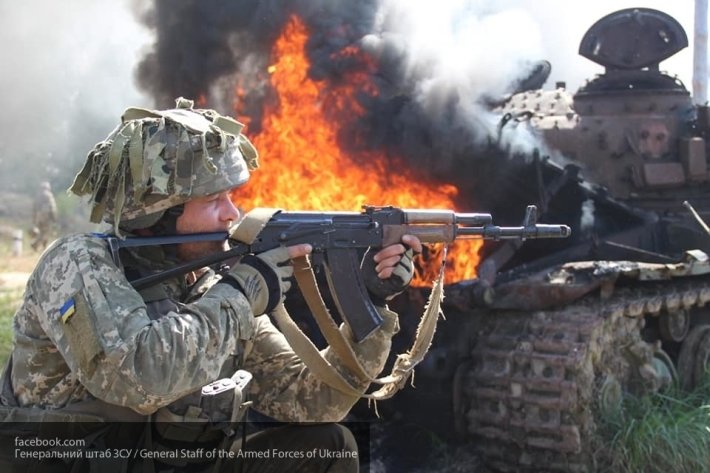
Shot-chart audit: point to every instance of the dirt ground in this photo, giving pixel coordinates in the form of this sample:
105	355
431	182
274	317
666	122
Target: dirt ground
14	271
13	280
401	447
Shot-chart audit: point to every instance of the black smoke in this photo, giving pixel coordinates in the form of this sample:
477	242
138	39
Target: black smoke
204	47
199	42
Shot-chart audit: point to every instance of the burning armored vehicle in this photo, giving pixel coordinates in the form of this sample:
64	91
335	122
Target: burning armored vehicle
550	337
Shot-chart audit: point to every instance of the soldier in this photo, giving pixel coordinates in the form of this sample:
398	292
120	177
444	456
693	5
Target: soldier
88	346
44	217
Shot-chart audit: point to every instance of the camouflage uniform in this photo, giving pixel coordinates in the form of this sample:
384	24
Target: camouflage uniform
85	338
148	350
44	217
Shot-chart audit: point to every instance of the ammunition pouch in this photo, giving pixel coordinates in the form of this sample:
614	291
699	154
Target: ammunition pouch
209	422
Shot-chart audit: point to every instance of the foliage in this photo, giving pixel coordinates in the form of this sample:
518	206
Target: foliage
14	271
662	432
9	301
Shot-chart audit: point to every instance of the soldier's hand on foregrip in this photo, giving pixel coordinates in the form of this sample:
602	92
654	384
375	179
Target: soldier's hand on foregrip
264	278
389	271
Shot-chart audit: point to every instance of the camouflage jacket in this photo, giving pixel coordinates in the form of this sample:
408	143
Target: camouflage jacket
82	333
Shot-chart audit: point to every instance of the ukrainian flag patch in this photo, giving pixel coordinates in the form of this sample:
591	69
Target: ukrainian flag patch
67	310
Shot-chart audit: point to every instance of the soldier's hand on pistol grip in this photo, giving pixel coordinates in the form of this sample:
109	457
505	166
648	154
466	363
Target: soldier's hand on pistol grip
265	278
390	270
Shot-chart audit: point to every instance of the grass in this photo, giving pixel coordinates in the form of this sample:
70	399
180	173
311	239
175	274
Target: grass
9	301
664	432
11	291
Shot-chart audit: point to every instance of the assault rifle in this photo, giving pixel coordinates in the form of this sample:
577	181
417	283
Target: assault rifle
337	239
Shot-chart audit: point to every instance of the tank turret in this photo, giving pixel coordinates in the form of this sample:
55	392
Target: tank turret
633	129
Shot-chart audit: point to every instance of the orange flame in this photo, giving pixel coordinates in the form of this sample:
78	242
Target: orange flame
305	169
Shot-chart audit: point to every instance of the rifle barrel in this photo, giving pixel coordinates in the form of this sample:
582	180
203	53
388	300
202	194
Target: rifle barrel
494	232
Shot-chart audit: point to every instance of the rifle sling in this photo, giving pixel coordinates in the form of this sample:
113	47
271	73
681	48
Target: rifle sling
405	362
323	369
309	354
303	273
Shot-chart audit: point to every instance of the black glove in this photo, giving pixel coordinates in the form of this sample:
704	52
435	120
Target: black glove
386	289
264	278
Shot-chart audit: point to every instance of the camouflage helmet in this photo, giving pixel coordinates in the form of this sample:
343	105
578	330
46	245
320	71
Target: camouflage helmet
157	159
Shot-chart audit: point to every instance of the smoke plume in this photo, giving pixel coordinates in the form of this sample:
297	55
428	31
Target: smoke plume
439	67
70	68
67	76
435	69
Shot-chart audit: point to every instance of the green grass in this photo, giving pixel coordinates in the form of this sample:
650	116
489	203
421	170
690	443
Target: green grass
9	301
11	294
664	432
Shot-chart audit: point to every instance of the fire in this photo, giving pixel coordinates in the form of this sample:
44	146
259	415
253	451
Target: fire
305	169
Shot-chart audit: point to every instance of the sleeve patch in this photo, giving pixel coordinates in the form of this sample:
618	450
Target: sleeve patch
83	338
67	310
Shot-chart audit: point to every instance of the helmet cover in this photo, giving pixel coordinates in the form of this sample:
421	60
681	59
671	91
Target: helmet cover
157	159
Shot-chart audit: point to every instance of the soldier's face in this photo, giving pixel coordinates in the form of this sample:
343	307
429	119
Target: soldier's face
212	213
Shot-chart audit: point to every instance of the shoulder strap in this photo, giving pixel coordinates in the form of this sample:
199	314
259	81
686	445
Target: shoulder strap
314	360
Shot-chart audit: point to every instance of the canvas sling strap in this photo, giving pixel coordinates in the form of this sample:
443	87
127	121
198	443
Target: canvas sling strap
247	231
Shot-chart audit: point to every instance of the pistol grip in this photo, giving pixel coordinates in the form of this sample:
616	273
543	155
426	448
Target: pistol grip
342	270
